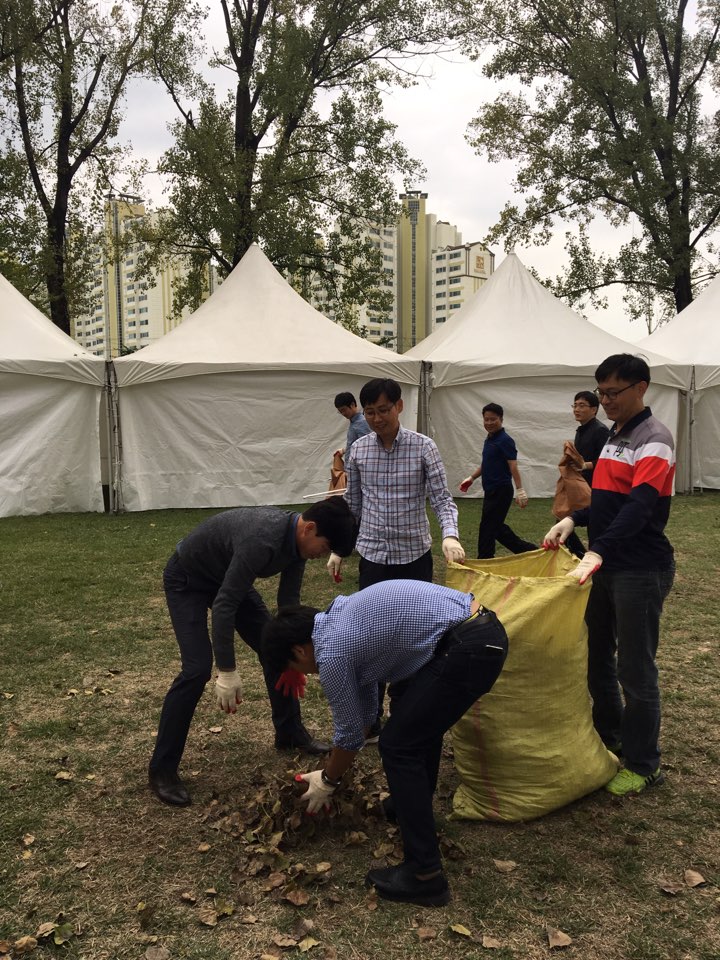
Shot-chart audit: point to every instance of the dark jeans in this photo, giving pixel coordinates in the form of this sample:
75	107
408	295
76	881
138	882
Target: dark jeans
575	545
189	598
371	573
493	528
623	620
466	664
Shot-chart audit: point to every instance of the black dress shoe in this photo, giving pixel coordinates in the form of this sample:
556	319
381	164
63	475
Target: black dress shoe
303	745
168	787
401	885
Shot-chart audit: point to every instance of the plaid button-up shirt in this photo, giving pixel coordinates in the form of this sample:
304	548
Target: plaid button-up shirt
386	632
386	492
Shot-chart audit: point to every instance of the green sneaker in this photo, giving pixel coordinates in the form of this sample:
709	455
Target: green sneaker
625	782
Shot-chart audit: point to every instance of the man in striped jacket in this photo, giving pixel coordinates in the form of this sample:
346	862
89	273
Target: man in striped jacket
632	565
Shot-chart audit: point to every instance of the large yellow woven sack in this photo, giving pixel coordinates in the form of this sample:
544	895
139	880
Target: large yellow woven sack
529	746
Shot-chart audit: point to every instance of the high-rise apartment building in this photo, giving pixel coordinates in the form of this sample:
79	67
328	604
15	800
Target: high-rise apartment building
128	313
428	270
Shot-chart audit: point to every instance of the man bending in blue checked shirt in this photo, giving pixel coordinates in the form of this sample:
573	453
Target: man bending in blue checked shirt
390	474
439	651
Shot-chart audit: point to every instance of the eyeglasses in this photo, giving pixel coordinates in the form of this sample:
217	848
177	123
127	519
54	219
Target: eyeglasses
371	412
580	406
612	394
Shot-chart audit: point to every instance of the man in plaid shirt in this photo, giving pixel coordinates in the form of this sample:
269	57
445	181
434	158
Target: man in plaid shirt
390	474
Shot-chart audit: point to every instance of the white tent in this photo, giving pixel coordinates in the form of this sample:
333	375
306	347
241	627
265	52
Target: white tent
50	389
517	345
693	336
235	406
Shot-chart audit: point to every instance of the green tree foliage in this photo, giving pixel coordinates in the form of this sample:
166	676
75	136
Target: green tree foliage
608	117
65	70
298	144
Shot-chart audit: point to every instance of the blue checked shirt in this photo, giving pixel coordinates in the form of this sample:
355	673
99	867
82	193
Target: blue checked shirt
386	492
386	632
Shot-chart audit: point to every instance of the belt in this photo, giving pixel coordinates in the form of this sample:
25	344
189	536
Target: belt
454	634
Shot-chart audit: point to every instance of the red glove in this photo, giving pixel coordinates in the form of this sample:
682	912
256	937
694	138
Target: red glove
291	683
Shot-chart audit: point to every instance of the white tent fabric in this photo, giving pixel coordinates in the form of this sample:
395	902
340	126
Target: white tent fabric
50	389
235	406
693	336
516	344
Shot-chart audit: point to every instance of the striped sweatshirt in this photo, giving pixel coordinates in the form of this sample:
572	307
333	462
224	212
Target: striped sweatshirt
631	489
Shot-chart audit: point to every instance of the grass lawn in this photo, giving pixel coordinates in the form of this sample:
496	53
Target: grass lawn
89	856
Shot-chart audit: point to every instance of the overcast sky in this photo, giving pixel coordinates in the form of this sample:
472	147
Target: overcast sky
432	120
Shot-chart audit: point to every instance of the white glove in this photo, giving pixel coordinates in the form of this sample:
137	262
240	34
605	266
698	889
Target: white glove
227	690
466	484
452	550
558	534
318	793
589	564
333	566
521	498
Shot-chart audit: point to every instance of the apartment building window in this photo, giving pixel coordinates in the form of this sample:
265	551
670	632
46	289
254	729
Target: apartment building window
144	336
455	268
440	283
131	299
440	269
131	312
456	254
455	293
440	294
144	323
143	310
142	297
132	336
455	279
455	306
132	323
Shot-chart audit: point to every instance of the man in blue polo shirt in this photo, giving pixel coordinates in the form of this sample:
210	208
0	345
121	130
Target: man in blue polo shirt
440	651
499	470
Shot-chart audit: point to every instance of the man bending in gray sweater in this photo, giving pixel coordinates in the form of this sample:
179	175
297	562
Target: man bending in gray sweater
214	568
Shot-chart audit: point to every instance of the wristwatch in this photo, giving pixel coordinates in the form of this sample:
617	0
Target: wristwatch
328	781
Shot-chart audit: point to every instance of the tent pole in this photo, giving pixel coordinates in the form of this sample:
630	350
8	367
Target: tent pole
115	443
107	388
691	431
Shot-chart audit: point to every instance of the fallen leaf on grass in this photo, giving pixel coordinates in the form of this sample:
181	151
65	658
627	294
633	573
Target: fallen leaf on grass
157	953
215	729
8	696
426	933
203	847
249	918
224	908
557	939
64	775
24	945
460	930
28	839
12	731
505	866
188	898
307	944
297	897
283	942
671	887
82	865
207	915
323	867
44	930
693	878
356	838
27	854
490	943
5	947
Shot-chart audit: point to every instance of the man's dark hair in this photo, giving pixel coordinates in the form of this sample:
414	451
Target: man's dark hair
334	521
373	390
291	626
624	366
345	400
494	408
589	397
